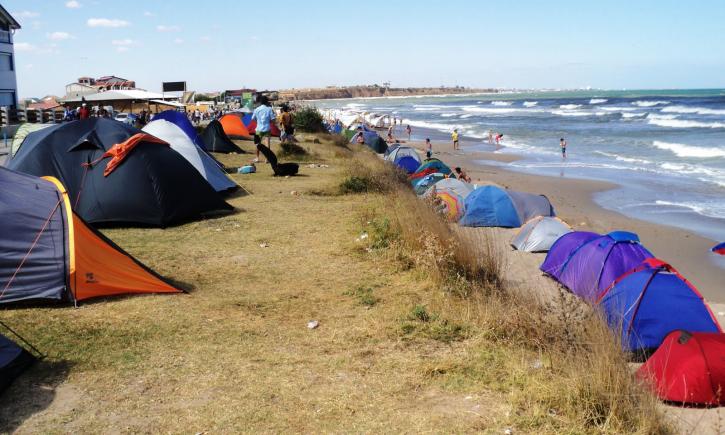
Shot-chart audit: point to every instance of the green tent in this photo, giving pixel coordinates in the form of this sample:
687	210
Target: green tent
22	131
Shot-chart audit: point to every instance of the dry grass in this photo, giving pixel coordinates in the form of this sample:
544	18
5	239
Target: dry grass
418	331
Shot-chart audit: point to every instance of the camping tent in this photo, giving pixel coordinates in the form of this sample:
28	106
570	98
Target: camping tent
199	159
13	361
491	206
233	126
20	134
652	300
587	263
539	233
181	121
217	141
402	151
407	164
430	166
391	148
719	249
51	253
372	140
420	186
458	187
688	368
152	185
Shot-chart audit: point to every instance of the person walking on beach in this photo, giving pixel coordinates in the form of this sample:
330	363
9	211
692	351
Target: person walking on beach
264	115
428	148
408	130
562	143
454	136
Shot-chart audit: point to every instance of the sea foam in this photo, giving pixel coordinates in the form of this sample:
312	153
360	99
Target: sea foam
693	110
570	106
647	103
501	103
682	123
598	100
684	150
530	103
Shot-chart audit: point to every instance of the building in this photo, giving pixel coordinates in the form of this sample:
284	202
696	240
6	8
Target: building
8	82
89	85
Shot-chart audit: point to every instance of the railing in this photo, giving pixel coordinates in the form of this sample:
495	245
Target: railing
35	116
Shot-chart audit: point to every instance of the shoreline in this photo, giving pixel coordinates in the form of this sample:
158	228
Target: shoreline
573	200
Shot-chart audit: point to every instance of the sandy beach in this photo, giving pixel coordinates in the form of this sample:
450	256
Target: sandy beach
573	201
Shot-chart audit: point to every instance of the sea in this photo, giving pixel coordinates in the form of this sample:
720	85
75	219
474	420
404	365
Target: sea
664	148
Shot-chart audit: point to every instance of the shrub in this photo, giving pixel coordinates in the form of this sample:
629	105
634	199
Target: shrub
308	119
291	149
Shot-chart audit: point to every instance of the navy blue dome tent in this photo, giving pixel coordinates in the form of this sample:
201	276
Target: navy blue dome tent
152	185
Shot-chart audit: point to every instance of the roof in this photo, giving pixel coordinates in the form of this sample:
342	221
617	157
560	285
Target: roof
5	16
168	103
118	95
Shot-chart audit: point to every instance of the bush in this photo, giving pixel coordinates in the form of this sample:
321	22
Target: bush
291	149
308	119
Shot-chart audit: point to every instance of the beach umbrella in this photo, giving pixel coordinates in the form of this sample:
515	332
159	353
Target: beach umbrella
451	204
719	249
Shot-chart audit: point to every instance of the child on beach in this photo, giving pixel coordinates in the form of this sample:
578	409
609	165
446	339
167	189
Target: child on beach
428	148
408	130
562	143
454	136
499	138
461	174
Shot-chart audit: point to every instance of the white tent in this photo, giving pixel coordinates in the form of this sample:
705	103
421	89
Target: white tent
403	151
539	233
180	142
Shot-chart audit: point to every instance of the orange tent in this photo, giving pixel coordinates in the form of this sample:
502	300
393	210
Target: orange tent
51	253
234	127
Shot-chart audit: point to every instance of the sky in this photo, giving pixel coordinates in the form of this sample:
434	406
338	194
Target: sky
226	44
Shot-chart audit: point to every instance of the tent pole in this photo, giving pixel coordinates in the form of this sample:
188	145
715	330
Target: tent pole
27	343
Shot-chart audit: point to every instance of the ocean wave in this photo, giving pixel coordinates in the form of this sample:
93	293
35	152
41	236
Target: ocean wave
570	106
530	103
693	110
713	210
682	123
648	103
501	103
448	115
466	116
619	109
683	150
570	113
623	158
598	100
464	129
491	110
633	115
708	175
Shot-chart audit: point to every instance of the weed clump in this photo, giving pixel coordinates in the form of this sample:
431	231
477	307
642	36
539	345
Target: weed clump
364	296
309	119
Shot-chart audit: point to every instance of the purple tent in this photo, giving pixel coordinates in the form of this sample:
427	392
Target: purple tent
588	263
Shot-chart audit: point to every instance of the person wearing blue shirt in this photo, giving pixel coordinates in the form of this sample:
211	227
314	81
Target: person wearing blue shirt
264	115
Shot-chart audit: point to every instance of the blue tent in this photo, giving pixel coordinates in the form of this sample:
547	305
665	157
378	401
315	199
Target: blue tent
421	185
13	360
407	163
181	121
651	301
491	206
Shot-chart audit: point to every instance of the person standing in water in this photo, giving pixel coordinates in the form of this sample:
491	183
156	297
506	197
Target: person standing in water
408	130
562	143
454	136
428	148
490	136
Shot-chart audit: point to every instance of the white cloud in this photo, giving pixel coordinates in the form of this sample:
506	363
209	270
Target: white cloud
107	22
25	46
59	36
25	14
205	38
123	42
178	41
122	49
149	14
163	28
73	4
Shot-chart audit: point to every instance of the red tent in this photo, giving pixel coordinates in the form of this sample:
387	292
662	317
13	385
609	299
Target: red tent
688	368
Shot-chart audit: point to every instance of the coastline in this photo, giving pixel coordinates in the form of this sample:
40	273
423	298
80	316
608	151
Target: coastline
574	202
